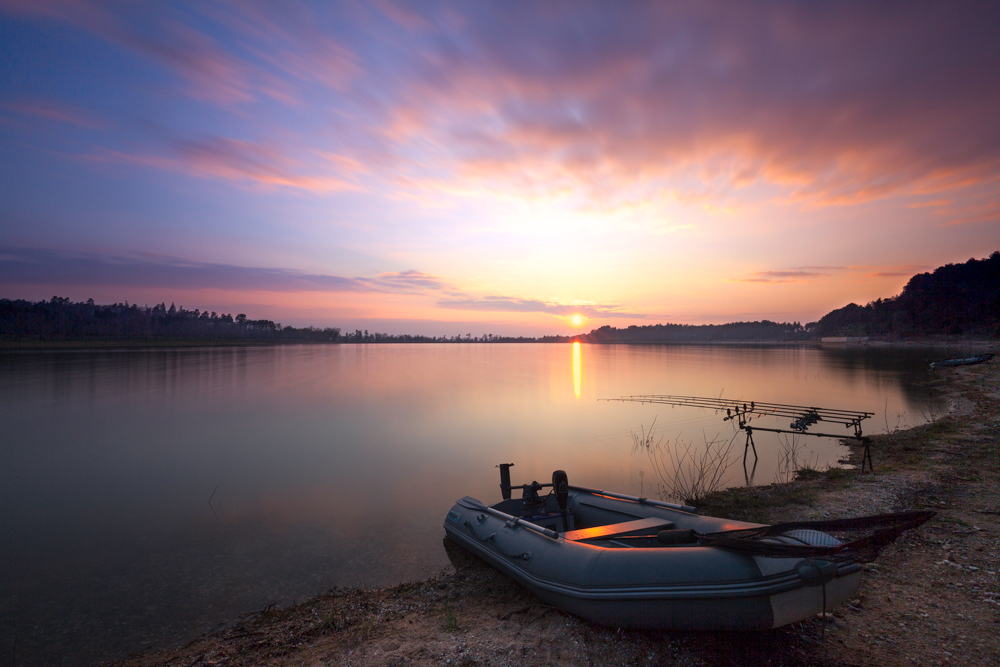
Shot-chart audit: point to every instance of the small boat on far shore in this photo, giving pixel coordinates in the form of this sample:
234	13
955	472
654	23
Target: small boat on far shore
968	361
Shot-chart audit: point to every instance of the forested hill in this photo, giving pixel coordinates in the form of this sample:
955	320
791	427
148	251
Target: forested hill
955	299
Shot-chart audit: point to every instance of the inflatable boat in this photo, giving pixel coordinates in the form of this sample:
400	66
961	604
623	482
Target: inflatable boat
968	361
629	562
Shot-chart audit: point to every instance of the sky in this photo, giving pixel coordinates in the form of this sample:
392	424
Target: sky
515	168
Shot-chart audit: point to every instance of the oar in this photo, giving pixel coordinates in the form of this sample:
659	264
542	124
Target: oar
641	501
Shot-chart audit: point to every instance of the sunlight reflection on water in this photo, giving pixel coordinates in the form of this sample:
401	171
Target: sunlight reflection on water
576	369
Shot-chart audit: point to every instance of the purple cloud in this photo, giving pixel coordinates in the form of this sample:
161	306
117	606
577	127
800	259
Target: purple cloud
245	162
41	266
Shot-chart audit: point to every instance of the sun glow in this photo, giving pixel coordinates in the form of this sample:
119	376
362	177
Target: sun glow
577	320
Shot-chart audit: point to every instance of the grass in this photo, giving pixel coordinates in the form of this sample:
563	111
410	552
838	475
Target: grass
839	475
450	620
754	504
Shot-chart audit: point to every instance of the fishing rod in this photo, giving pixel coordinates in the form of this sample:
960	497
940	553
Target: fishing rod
743	413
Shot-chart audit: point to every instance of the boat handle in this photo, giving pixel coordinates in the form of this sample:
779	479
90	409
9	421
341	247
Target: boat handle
524	555
472	529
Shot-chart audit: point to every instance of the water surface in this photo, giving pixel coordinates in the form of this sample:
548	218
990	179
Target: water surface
149	496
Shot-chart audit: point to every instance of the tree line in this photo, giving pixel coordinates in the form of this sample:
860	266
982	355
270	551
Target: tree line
59	319
763	331
359	336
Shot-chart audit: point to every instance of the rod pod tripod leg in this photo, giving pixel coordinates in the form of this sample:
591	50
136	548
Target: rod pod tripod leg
749	444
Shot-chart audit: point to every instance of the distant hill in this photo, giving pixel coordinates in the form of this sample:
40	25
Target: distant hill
956	299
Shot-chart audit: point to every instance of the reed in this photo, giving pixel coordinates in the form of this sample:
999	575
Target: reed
686	473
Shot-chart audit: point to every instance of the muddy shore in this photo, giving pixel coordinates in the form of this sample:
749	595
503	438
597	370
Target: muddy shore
932	598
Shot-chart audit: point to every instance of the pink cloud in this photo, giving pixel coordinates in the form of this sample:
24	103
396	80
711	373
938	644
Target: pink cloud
231	159
511	304
975	214
782	276
834	110
287	38
809	273
406	18
59	112
408	282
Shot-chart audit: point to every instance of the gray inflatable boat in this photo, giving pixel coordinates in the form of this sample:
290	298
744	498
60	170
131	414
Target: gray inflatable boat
630	562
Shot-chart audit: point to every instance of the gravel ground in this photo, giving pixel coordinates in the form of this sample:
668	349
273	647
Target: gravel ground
932	598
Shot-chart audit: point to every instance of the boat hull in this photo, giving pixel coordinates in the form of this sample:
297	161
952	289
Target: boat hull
688	587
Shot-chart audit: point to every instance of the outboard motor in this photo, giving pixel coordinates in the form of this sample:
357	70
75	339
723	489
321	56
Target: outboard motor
560	485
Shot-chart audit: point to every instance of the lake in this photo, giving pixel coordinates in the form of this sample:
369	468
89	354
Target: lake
152	495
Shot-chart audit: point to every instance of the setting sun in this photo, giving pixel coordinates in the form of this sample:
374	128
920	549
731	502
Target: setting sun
577	320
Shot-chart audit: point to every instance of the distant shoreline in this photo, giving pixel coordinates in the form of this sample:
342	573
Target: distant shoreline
139	344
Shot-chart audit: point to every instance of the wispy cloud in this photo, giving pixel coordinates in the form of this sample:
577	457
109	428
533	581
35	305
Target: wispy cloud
811	273
242	161
984	213
782	276
901	271
518	305
55	111
213	70
43	266
407	282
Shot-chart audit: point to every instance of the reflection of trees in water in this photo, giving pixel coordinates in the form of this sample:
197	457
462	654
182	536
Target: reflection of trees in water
883	369
87	376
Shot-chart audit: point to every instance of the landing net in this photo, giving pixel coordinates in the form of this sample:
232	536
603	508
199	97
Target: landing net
859	540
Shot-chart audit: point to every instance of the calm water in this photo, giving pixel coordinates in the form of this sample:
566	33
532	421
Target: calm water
149	496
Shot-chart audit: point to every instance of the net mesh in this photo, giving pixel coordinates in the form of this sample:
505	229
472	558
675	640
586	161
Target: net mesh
860	539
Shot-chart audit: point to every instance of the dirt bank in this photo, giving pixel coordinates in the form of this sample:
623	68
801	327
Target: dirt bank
931	598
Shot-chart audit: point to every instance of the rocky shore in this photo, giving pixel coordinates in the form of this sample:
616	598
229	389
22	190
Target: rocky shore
932	598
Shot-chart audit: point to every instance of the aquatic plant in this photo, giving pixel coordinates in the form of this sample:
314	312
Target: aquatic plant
793	462
686	472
